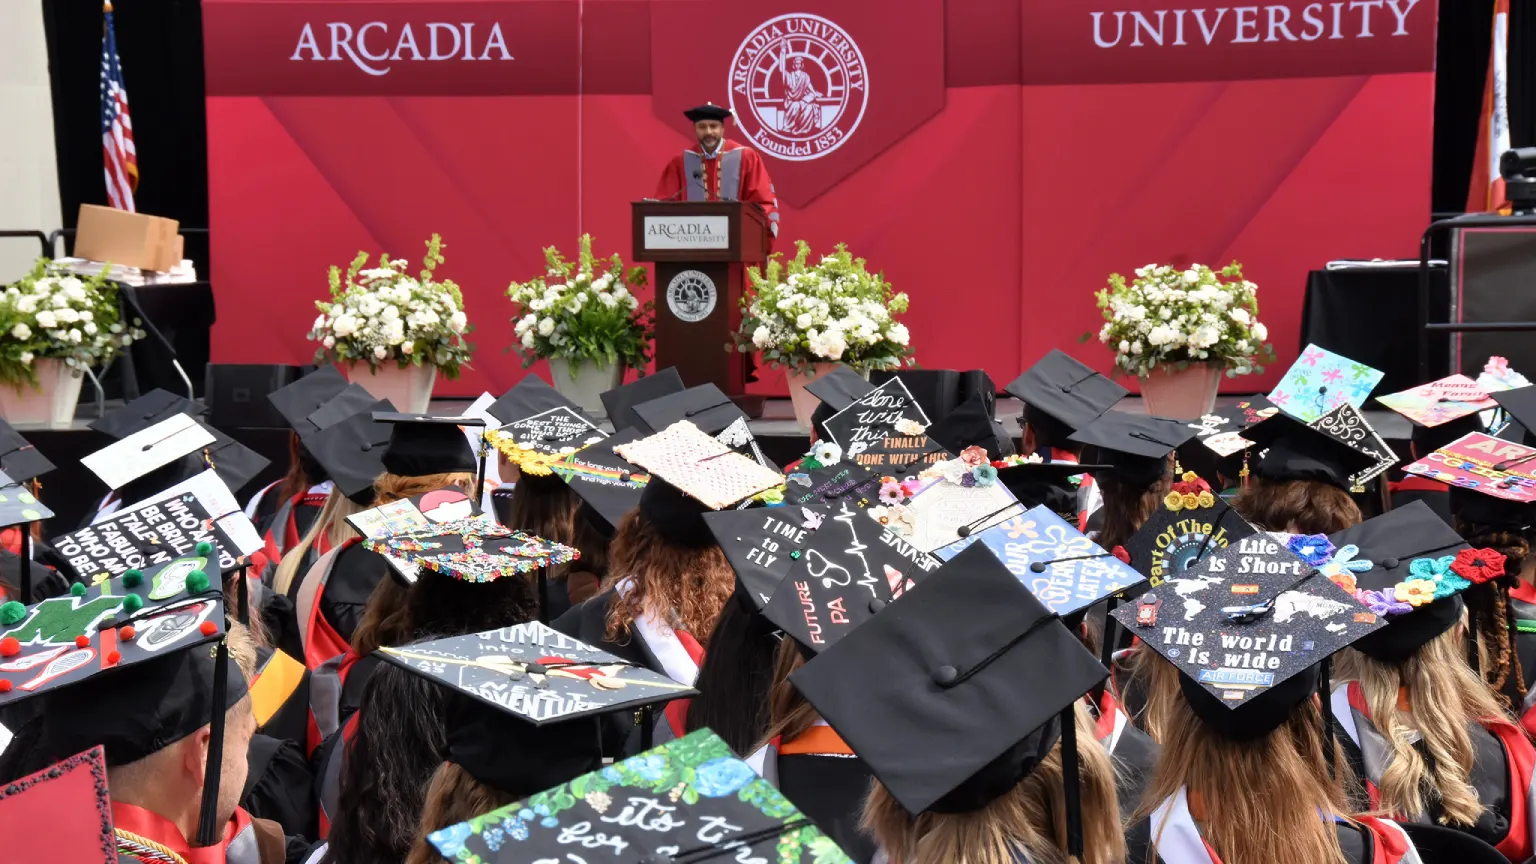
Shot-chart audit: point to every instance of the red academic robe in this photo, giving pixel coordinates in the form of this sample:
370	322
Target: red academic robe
690	176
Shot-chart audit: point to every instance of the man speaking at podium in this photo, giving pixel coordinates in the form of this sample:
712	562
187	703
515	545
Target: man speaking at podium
719	170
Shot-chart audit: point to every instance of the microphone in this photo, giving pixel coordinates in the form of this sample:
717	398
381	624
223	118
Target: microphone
698	174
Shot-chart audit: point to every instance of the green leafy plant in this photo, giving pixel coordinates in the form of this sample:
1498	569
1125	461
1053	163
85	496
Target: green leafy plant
383	314
1166	316
583	311
53	313
797	313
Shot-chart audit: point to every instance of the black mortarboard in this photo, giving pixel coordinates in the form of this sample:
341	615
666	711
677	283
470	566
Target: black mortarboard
18	458
235	463
535	442
901	456
839	388
708	111
1393	544
145	450
70	797
848	570
971	423
303	397
723	810
620	402
873	416
940	391
1296	451
762	543
1061	395
422	444
1476	507
1429	438
1135	446
1347	423
606	482
1189	524
1247	626
352	452
1217	451
1520	403
969	665
704	406
823	488
530	396
1045	484
144	412
353	399
17	504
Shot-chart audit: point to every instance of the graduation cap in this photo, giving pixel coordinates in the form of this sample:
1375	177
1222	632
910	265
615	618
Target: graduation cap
902	454
473	550
153	407
1190	524
1058	564
620	402
607	483
696	464
534	443
235	463
1135	446
822	485
528	397
70	798
1441	411
722	810
1347	423
762	543
423	444
1247	627
848	570
969	665
875	415
1035	483
1405	562
1476	506
839	388
964	500
352	451
1296	451
417	513
298	400
1218	449
704	406
940	391
18	458
1061	395
147	449
353	399
1520	404
1320	381
971	423
708	111
18	505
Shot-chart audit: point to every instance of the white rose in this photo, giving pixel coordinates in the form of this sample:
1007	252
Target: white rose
899	334
608	300
546	326
319	323
26	305
46	320
60	300
26	358
761	336
90	328
391	313
1241	316
528	339
74	335
1259	331
380	352
329	342
1125	346
804	321
408	347
21	331
458	322
1136	347
1191	277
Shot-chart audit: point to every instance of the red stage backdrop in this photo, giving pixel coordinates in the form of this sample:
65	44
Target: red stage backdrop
997	159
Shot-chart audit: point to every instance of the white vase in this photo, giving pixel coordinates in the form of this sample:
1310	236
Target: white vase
805	401
584	382
1181	394
408	389
50	404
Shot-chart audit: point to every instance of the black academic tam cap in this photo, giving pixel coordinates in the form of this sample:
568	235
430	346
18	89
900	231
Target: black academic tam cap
620	402
762	543
1475	506
422	444
235	463
972	423
1520	403
969	664
1298	451
352	452
18	458
303	397
606	482
1135	446
705	406
353	399
144	412
528	397
708	111
839	388
1061	394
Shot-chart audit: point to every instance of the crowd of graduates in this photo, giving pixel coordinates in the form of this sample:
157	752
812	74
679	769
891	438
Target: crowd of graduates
517	637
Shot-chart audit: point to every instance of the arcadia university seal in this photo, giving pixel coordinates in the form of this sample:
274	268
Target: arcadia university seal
798	87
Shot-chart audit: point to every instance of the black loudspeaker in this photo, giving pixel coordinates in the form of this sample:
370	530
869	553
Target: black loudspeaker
1492	270
236	394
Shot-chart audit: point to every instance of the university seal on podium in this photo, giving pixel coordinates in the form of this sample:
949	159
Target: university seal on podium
798	87
691	296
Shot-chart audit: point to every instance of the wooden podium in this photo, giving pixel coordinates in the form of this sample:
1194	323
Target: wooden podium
701	250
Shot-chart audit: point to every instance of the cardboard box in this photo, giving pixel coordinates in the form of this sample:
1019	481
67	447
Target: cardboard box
129	239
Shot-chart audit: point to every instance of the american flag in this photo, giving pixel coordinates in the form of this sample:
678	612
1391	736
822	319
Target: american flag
116	129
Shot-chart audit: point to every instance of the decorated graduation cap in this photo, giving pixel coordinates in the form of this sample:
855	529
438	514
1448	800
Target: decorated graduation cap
1347	423
69	797
18	505
1320	381
875	415
473	550
153	407
1035	482
235	463
1294	450
708	111
607	483
1441	411
620	402
835	391
353	399
704	406
1190	524
352	451
535	442
762	544
18	458
1062	395
1058	564
1246	628
422	444
298	400
969	664
1135	446
847	571
530	396
722	811
972	422
825	478
1409	567
1520	404
692	472
903	454
148	449
1218	450
961	497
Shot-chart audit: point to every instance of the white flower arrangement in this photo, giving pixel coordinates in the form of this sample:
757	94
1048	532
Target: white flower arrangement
383	313
52	313
1167	316
583	310
797	314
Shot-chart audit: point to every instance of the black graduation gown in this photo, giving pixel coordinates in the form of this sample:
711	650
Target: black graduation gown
1355	841
280	786
1135	755
291	721
587	621
830	790
354	574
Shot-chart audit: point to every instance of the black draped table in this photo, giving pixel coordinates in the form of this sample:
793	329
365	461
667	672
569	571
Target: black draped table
1370	315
